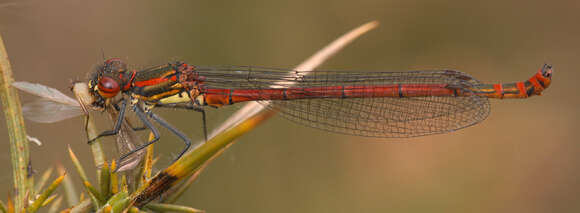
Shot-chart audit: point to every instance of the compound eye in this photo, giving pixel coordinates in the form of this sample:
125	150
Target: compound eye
108	87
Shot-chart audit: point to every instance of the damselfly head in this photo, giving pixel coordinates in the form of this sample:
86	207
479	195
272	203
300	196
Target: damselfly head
103	87
107	80
547	71
545	75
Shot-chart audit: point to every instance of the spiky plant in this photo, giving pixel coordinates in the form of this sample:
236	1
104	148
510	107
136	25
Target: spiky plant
133	191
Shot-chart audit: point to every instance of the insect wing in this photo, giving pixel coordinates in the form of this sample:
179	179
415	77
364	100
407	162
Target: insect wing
126	141
48	111
320	100
45	92
53	107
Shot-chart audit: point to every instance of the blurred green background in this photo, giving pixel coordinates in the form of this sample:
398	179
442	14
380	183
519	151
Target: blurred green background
524	158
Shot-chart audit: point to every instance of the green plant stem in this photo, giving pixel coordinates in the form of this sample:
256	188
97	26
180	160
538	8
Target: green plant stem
45	195
96	148
191	161
16	131
3	208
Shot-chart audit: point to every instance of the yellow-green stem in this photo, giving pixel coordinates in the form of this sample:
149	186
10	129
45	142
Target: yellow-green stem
192	161
16	130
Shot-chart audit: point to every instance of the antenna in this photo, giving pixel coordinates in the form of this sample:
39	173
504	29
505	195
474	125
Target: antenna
103	53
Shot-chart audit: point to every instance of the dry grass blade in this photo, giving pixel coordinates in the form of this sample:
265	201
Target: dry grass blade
78	165
69	188
55	205
42	180
19	152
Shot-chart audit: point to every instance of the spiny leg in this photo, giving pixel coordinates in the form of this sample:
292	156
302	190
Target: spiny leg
118	123
179	134
147	124
139	128
190	106
134	128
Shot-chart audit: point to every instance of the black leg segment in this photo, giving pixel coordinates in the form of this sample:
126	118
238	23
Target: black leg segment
147	124
179	134
117	126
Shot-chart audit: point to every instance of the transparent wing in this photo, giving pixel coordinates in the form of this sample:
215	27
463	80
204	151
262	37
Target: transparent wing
48	111
392	116
386	117
45	92
126	141
54	105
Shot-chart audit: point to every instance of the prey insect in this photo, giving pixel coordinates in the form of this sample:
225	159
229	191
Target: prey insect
55	106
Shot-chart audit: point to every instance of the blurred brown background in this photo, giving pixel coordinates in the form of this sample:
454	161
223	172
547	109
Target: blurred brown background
524	158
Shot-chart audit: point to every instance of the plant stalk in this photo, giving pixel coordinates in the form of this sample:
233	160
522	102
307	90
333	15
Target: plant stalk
19	153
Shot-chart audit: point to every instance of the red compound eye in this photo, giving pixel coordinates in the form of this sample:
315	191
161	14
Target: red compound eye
108	87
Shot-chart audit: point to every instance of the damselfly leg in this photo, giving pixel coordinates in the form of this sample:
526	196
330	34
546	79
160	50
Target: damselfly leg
118	123
189	106
143	117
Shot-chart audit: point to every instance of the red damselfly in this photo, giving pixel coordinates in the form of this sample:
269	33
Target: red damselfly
372	104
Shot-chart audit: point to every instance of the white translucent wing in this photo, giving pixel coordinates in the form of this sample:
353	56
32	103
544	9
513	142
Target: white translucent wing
54	105
48	111
45	92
